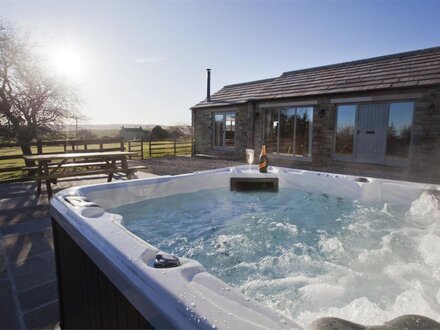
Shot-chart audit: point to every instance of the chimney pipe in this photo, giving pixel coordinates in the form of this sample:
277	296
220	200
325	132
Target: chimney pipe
208	85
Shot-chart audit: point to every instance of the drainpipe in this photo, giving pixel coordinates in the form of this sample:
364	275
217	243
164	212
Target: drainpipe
208	85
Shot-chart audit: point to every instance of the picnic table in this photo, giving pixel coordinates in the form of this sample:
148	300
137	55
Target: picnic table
103	162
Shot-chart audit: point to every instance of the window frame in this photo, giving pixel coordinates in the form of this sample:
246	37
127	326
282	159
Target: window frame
278	109
339	157
401	162
224	114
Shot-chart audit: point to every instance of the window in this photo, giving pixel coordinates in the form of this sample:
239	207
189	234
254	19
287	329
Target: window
289	131
399	130
377	133
345	128
224	130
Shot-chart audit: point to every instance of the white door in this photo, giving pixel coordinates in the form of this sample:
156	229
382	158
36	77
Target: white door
371	133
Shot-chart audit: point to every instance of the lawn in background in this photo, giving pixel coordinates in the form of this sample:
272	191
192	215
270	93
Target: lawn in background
158	148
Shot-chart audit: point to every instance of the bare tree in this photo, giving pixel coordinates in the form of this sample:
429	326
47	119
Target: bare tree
33	104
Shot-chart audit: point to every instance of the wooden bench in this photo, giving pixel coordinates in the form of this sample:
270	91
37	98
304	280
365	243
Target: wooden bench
68	165
92	164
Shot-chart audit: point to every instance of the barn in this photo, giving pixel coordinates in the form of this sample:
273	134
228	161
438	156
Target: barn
372	117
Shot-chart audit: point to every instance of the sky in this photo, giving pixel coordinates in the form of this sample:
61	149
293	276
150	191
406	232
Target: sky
144	62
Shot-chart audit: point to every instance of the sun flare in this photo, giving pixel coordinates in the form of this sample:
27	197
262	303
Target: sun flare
67	62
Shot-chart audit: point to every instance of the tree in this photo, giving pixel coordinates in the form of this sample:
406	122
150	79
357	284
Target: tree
33	104
158	133
86	134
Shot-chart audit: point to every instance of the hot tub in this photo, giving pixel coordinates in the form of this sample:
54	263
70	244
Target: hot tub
107	275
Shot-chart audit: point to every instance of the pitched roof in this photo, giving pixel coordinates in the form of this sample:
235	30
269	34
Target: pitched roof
410	69
237	93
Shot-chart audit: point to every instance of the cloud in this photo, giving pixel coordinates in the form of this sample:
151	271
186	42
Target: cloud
142	60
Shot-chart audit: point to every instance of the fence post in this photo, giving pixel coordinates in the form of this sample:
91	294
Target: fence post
39	147
175	150
121	141
130	149
142	149
149	147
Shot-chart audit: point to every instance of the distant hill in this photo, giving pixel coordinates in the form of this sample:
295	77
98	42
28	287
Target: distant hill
110	126
106	131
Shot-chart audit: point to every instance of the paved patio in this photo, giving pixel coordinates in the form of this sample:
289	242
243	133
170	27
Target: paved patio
28	288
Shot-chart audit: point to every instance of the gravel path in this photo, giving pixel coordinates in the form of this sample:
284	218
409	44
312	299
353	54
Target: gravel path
181	165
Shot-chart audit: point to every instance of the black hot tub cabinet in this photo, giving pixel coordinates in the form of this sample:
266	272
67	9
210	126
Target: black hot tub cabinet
106	275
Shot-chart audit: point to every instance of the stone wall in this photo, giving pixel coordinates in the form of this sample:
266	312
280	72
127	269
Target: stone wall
424	158
203	131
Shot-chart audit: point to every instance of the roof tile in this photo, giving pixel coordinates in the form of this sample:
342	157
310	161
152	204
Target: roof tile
416	68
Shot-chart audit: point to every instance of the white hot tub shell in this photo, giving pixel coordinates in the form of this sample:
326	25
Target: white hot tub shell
187	296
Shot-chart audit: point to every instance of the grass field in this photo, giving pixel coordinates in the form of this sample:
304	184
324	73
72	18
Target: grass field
158	149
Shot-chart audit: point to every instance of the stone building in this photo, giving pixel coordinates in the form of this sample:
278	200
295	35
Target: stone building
136	133
374	117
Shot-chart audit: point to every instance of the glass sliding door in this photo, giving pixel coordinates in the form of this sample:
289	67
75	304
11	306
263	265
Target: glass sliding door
399	130
345	129
286	131
289	131
271	131
303	134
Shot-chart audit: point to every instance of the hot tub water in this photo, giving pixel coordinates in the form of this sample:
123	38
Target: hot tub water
305	255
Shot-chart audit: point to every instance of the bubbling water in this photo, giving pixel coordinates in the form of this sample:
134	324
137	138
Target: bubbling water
305	255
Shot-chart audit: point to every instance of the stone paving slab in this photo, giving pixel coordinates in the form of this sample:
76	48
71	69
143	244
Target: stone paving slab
28	287
3	274
29	214
45	317
8	312
31	272
20	246
39	296
27	227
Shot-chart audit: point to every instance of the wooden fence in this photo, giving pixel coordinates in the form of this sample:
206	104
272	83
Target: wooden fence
11	160
158	148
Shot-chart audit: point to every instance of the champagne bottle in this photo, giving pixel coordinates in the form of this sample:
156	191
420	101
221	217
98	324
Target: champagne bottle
263	161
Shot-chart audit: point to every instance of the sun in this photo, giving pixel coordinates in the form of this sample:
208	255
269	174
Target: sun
67	62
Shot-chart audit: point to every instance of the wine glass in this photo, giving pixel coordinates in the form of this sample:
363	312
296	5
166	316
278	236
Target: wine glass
250	156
